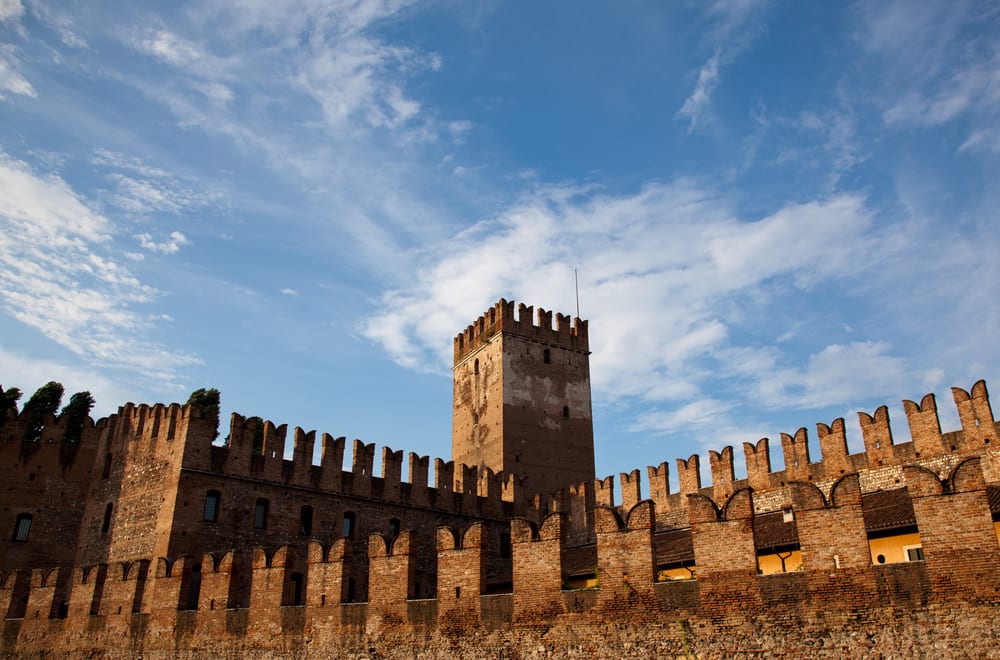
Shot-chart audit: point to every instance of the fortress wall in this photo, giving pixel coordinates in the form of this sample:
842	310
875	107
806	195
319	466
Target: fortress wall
838	599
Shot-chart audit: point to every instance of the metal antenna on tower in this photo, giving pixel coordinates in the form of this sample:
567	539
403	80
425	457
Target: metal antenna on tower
576	282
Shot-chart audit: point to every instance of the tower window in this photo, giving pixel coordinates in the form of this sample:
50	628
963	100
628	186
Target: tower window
107	467
348	530
21	527
547	356
260	514
394	526
306	521
566	412
475	366
211	513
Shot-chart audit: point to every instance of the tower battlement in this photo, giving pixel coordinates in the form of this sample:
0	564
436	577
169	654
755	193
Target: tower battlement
567	333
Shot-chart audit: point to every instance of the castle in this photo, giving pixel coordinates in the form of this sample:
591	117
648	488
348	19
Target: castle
146	539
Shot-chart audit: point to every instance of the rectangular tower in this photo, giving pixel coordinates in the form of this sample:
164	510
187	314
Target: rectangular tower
522	397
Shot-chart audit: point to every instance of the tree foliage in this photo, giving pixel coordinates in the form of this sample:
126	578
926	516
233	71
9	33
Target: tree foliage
207	402
8	401
45	401
76	412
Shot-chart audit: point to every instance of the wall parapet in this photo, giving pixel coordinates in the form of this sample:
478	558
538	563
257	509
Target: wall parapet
567	332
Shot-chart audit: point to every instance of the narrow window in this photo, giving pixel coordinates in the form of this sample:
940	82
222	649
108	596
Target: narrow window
475	366
394	526
107	467
505	546
566	412
21	527
194	587
348	525
106	525
547	357
350	590
260	514
296	588
211	513
306	521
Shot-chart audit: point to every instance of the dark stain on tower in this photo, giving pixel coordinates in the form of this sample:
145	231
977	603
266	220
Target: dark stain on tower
522	397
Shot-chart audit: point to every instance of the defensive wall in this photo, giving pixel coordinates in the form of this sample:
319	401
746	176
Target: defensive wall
290	597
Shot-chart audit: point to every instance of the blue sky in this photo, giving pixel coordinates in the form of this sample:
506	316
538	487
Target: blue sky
781	212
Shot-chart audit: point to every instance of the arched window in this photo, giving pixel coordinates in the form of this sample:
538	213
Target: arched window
348	530
106	525
21	527
211	512
260	514
306	521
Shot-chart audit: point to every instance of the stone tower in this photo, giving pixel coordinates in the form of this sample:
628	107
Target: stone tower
522	397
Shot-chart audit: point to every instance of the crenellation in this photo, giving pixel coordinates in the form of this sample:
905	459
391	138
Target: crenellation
631	489
723	472
689	474
833	448
877	434
392	473
303	445
976	416
332	462
604	492
362	462
795	449
925	427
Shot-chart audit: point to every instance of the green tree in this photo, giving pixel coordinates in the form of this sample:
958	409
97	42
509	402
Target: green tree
76	412
8	401
43	402
206	401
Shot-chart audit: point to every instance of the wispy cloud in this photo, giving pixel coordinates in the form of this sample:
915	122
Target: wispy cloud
734	25
940	61
60	276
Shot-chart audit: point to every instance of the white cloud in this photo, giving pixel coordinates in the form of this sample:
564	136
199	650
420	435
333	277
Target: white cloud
708	79
60	278
734	25
11	10
292	293
170	246
11	80
170	48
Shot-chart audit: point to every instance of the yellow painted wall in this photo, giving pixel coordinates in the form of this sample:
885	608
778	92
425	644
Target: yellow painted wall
996	528
891	547
675	574
768	564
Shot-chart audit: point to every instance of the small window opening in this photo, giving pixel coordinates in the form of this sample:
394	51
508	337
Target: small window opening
260	514
458	592
348	529
211	513
505	546
475	418
107	467
306	521
21	527
475	366
547	356
194	587
880	559
566	412
296	589
394	526
350	590
914	553
106	525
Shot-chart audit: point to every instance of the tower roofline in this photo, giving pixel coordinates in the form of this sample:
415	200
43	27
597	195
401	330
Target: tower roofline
567	333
